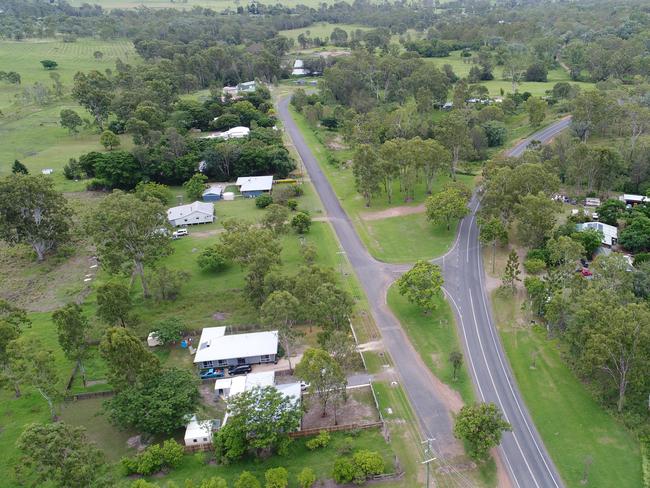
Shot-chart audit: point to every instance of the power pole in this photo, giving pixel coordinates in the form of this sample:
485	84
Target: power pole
426	462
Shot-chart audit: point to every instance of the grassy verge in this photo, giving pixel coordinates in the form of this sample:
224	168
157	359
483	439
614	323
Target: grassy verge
572	424
434	336
400	238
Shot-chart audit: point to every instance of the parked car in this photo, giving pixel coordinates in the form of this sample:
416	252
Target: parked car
304	386
241	369
212	373
180	233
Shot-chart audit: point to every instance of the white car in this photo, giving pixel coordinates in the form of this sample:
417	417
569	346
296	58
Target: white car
180	233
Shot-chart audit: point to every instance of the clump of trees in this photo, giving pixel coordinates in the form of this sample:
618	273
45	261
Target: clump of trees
480	426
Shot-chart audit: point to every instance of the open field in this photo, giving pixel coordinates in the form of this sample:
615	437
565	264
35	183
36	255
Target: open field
189	4
572	424
395	239
32	133
321	30
434	336
461	67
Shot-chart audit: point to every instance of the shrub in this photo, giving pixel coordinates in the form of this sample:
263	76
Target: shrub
276	478
212	258
301	222
155	458
541	254
168	330
97	184
247	480
343	471
306	478
72	170
263	201
292	204
534	266
496	132
641	257
367	463
321	440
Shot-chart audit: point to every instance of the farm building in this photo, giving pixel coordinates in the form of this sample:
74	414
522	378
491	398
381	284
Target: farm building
213	193
253	186
629	199
234	133
216	349
192	213
610	233
199	432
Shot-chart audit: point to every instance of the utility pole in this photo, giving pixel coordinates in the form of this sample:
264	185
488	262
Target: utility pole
426	462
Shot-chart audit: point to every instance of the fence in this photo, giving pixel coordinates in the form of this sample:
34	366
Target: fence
86	396
198	448
335	428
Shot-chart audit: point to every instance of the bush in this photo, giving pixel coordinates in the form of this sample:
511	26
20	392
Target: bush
72	170
292	204
263	201
306	478
165	284
359	468
168	330
276	478
367	463
212	258
97	184
155	458
534	266
541	254
343	471
301	222
641	257
247	480
321	440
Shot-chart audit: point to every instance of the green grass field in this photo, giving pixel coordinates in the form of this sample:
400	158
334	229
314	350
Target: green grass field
461	68
32	133
434	336
321	30
405	238
572	424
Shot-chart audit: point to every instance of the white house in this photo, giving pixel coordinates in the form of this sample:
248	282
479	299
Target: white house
199	432
226	387
299	68
610	233
252	186
192	213
216	349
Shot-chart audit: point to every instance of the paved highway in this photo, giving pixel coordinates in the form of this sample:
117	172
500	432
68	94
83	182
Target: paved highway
522	451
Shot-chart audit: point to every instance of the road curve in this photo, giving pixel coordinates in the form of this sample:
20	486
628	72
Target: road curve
374	276
522	450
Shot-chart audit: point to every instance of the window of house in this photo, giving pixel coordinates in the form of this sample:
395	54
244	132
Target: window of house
194	440
265	358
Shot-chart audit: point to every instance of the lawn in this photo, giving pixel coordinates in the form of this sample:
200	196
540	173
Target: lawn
32	133
194	467
461	67
572	424
404	238
434	336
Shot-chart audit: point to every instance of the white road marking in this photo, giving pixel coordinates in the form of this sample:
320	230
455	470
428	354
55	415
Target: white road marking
505	371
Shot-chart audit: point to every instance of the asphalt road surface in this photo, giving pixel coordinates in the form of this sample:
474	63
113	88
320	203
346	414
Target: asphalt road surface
375	277
522	451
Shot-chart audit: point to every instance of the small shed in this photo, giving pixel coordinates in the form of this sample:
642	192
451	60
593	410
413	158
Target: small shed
213	193
199	432
190	214
226	387
610	233
152	340
228	196
253	186
47	171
